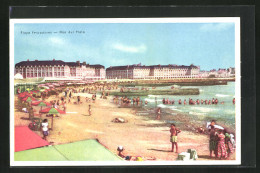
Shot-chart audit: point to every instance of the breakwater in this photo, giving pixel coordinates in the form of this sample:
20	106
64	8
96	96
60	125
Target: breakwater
181	82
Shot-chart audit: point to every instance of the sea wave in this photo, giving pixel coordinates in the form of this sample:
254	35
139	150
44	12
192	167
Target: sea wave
162	106
222	95
203	109
196	113
149	100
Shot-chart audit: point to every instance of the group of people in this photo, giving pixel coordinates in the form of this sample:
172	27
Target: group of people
213	101
221	143
126	101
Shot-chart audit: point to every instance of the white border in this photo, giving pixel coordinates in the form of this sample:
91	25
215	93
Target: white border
235	20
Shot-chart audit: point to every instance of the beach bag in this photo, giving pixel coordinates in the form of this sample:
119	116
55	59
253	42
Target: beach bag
193	154
184	156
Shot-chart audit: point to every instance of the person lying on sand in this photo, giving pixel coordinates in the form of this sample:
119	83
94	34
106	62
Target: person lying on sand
121	149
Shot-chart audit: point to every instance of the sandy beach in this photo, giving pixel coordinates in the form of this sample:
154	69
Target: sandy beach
140	135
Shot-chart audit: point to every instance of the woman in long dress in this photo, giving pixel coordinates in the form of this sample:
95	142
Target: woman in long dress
221	150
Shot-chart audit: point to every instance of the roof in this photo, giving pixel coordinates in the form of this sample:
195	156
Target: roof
26	139
151	66
54	62
40	63
87	150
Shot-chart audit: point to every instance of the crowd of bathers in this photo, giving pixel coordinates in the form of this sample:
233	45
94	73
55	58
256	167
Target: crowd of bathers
195	102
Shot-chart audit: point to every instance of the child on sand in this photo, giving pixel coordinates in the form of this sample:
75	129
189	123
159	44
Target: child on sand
45	129
174	132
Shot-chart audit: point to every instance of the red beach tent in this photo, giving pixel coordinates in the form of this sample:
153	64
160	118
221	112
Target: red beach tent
26	139
52	111
41	103
30	98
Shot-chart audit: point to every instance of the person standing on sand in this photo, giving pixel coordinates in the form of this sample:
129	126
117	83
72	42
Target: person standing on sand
221	150
45	129
174	133
89	110
212	140
64	106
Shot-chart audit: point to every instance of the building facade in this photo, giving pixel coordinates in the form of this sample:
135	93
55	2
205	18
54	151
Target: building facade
60	70
220	73
138	71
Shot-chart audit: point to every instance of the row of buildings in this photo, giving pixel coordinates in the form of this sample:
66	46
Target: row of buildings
60	70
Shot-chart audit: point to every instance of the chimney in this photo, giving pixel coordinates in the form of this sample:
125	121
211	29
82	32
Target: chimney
78	63
53	59
28	60
84	62
36	60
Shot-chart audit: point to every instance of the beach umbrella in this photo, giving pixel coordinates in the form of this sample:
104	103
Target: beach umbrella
41	103
24	94
52	111
28	99
35	91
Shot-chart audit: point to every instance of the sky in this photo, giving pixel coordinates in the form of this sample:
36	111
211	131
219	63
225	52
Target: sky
208	45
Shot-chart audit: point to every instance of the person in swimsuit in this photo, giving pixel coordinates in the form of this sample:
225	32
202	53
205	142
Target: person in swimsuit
174	133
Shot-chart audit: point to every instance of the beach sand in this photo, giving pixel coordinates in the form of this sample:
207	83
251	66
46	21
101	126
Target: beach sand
140	136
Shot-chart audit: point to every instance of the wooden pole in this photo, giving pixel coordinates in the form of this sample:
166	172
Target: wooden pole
52	122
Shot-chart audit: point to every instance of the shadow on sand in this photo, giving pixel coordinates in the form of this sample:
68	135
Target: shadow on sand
24	118
206	157
159	150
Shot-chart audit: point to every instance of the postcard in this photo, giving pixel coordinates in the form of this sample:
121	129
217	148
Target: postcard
125	91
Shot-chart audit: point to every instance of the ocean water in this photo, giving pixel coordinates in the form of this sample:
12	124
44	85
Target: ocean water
224	113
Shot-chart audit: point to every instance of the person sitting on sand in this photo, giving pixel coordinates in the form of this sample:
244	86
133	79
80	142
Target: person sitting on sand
174	133
200	130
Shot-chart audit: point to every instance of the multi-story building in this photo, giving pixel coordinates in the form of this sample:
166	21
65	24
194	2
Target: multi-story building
220	73
60	70
138	71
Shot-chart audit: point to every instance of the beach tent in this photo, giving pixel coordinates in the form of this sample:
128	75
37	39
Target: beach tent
18	76
26	139
87	150
52	111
